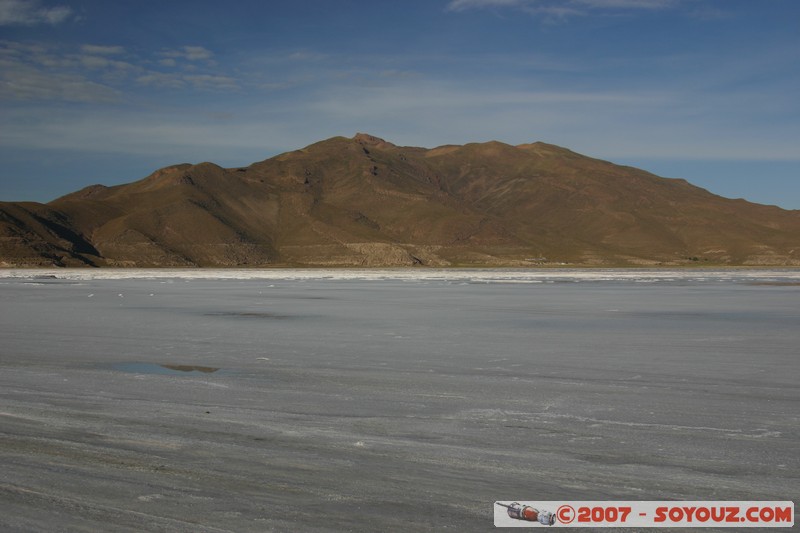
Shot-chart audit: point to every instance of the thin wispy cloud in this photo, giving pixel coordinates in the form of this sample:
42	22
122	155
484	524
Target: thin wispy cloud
102	50
38	72
29	84
212	82
189	53
562	8
626	4
164	80
102	73
31	13
171	80
460	5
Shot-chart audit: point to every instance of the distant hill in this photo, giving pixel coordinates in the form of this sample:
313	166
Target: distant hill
366	202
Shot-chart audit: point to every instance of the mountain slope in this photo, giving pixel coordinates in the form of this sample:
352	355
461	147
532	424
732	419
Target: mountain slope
590	210
366	202
34	234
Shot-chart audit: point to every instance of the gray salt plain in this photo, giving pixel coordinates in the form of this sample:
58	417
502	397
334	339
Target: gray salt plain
388	400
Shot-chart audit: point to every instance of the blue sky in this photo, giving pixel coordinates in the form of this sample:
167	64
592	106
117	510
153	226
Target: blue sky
100	91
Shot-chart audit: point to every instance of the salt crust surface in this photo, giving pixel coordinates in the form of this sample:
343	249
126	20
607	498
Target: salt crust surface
456	275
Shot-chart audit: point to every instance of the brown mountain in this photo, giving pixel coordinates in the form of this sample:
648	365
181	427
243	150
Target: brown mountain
366	202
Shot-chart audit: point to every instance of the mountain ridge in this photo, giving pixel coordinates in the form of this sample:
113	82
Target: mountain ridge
364	201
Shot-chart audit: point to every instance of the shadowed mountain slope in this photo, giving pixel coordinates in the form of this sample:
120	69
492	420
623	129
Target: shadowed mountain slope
366	202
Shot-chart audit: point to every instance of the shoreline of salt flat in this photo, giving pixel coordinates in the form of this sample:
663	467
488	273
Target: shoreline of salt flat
498	275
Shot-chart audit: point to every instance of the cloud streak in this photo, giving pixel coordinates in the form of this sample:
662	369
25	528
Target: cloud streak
102	50
31	13
102	73
562	8
30	84
189	53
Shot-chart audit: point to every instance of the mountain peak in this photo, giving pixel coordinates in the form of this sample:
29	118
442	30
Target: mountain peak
370	140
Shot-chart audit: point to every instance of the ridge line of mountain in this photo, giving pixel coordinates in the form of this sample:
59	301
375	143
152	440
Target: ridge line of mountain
364	201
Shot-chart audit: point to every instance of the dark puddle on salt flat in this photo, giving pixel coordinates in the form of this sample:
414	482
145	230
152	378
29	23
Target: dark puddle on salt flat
247	314
165	369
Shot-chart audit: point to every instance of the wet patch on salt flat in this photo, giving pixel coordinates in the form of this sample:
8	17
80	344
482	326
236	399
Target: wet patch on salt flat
247	314
166	369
